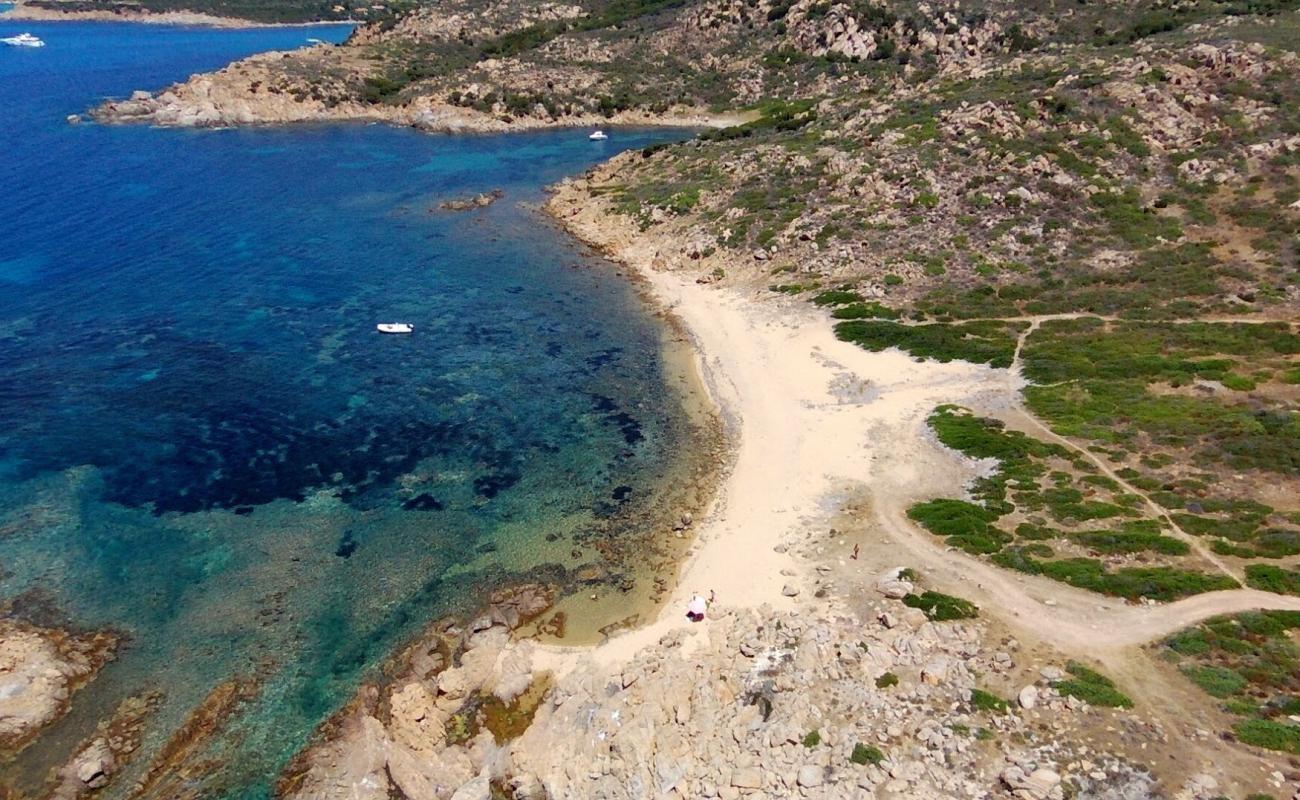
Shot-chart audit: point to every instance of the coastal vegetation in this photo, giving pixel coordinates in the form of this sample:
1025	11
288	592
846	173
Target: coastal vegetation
982	700
942	607
1092	687
1250	666
1046	510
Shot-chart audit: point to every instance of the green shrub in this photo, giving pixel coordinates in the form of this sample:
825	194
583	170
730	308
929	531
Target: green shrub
837	297
1216	681
987	701
980	437
886	680
1112	542
866	754
871	310
966	525
1158	583
812	738
1243	659
991	343
1136	225
1092	687
1273	579
942	607
1269	734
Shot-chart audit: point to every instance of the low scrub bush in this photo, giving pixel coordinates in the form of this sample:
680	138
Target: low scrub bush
1273	579
987	701
1269	734
942	607
1092	687
992	343
866	754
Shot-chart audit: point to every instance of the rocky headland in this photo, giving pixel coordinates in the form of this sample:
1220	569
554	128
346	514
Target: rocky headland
127	12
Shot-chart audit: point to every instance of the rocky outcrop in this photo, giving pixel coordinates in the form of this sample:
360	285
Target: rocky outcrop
768	704
422	735
482	200
40	669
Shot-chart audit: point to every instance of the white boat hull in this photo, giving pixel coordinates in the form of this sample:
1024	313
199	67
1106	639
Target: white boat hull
23	40
395	327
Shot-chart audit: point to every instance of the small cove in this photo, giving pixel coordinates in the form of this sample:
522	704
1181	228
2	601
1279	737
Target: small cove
205	444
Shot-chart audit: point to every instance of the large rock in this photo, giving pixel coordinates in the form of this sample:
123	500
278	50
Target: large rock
39	669
893	585
1028	697
94	765
935	671
1040	784
476	789
811	775
747	778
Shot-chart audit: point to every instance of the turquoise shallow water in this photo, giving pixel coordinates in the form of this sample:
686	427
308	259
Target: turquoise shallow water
205	444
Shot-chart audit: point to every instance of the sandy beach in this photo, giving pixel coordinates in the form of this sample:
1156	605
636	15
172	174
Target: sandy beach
821	426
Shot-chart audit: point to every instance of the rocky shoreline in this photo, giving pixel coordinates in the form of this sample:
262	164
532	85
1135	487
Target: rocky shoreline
206	102
41	668
25	11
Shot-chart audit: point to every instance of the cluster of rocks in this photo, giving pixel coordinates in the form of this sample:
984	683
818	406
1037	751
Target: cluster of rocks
40	669
467	20
481	200
818	704
415	735
845	30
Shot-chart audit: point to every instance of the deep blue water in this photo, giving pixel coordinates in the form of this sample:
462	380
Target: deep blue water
203	441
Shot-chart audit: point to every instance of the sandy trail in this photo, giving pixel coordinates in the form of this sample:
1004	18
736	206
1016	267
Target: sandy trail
818	420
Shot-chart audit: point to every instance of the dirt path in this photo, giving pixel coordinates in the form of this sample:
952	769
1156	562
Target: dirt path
1074	620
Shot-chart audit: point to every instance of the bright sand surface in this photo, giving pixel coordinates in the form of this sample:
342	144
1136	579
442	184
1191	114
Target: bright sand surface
818	425
803	407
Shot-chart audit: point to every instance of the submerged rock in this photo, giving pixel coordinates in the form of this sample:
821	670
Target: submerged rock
469	203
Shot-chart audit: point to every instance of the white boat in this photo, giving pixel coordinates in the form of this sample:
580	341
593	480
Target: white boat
598	136
395	327
23	40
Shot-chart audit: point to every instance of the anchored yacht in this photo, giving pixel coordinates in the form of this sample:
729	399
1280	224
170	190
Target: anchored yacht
23	40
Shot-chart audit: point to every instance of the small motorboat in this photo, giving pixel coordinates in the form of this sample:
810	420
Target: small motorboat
23	40
395	327
598	136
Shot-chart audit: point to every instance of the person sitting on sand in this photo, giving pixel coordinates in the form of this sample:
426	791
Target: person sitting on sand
695	611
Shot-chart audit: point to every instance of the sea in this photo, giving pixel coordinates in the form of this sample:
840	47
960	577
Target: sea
207	447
